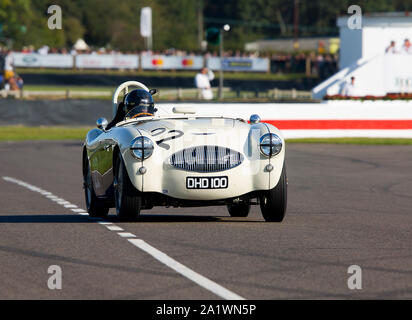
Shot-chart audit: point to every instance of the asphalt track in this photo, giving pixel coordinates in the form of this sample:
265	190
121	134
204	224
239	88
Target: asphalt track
348	205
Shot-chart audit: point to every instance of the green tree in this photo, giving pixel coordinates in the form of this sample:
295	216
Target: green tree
116	23
15	16
175	24
73	30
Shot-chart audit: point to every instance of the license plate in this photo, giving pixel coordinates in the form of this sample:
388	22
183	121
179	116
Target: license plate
207	182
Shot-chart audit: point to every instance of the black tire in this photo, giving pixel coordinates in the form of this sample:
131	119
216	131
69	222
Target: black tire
273	203
126	197
240	209
95	207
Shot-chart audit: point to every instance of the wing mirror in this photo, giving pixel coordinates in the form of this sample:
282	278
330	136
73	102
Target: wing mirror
153	91
254	118
102	123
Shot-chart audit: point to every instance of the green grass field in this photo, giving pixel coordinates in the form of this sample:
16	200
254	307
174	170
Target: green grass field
167	73
165	94
64	88
21	133
359	141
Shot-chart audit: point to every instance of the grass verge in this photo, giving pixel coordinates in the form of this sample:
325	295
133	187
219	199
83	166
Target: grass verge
23	133
52	92
64	88
20	133
359	141
166	73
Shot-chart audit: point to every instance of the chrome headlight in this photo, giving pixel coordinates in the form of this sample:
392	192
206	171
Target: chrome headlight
270	145
142	148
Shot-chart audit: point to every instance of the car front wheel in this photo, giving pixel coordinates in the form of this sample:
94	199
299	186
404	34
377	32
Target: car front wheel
95	207
127	200
273	203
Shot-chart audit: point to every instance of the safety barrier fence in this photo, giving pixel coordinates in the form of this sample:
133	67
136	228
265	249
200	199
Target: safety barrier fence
138	61
373	119
331	119
167	94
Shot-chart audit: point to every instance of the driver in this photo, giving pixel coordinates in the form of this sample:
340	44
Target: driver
137	103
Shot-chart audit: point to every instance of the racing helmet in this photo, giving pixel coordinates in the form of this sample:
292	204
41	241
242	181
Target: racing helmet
138	103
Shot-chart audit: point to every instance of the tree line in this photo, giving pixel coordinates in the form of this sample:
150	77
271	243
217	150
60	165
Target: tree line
176	23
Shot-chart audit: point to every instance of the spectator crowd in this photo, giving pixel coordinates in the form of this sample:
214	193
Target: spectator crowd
406	48
9	80
349	89
313	63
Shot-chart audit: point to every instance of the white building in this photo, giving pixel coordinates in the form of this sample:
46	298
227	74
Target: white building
362	55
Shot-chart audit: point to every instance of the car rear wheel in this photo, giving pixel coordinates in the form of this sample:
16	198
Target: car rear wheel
95	207
240	209
127	199
273	203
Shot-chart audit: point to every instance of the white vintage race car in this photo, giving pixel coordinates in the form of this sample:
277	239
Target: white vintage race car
184	160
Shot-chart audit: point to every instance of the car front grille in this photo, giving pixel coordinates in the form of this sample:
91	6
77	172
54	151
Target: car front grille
206	159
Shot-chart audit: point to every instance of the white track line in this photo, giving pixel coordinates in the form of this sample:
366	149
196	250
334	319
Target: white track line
114	228
78	210
185	271
142	245
126	235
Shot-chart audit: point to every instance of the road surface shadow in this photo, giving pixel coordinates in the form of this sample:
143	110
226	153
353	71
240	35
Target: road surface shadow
46	218
68	218
167	218
151	218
